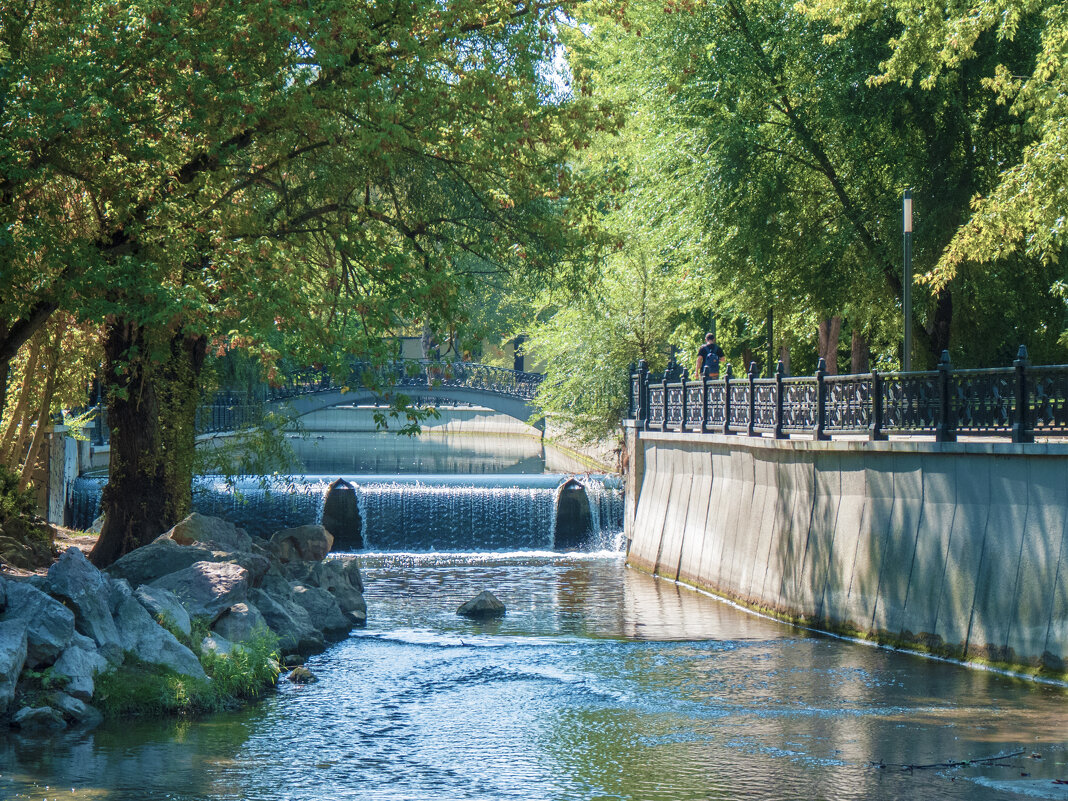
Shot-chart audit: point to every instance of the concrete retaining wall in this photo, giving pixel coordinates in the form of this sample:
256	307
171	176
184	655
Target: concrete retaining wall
954	548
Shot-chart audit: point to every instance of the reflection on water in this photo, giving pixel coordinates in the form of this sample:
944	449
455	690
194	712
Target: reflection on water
383	453
599	683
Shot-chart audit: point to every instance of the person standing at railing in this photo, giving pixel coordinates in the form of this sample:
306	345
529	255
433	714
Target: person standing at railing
708	358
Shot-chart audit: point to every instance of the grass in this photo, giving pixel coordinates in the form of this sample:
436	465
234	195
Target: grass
138	689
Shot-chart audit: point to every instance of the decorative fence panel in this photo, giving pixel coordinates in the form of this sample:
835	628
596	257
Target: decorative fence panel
1017	402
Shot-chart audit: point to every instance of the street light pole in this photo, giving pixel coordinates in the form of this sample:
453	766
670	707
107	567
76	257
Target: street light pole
906	299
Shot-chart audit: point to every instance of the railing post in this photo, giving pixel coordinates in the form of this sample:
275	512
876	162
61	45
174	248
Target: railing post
631	411
644	393
875	431
727	375
946	430
704	404
664	383
682	417
779	372
752	399
821	400
1021	427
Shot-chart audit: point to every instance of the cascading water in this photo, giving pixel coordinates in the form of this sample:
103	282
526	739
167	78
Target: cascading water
403	512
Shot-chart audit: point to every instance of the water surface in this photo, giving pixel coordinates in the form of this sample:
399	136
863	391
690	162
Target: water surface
600	683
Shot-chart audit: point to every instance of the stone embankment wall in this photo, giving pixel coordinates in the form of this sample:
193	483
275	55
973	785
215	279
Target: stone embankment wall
958	549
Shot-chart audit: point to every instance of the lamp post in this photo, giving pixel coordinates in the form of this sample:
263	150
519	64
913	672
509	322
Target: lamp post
906	299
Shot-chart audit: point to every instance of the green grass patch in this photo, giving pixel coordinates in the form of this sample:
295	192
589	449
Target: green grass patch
138	689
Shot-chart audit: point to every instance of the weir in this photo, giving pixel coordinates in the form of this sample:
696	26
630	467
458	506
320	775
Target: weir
411	513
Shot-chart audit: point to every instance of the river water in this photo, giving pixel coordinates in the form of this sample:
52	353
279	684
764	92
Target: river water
600	683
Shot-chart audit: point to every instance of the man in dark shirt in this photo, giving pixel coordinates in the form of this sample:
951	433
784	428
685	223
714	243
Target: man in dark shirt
708	358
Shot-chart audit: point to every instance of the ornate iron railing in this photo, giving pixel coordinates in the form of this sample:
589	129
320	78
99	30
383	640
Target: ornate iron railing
231	410
1018	402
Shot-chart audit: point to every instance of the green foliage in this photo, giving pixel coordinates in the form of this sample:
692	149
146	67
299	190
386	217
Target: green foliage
14	503
138	689
248	670
590	342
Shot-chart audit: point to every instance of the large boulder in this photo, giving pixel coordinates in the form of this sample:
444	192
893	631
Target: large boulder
157	559
304	543
323	610
219	534
256	564
12	659
85	589
239	622
147	639
483	606
164	605
80	664
296	634
49	624
341	578
207	589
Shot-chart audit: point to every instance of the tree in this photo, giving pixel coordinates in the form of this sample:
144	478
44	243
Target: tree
1024	210
247	164
770	169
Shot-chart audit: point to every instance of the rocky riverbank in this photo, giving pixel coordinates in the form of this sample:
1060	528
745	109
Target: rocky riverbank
203	614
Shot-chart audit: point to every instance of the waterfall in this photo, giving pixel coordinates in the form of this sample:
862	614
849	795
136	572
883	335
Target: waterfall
401	513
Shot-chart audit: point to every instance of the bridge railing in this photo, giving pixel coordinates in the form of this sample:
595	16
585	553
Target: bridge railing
1016	402
229	410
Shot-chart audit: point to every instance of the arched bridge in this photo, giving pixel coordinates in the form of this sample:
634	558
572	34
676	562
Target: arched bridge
510	392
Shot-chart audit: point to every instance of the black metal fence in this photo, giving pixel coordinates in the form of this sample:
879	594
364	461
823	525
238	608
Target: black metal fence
230	410
1018	402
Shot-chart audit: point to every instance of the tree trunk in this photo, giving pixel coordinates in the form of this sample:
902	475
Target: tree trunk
860	353
131	503
17	429
784	357
152	405
43	420
830	333
939	329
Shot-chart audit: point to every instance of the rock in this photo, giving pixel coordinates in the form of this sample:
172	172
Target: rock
3	593
256	565
13	648
351	567
149	641
39	718
221	535
239	622
74	710
159	558
290	622
293	660
97	526
341	578
323	610
301	675
306	543
164	604
85	589
217	645
277	585
49	624
207	589
482	606
80	665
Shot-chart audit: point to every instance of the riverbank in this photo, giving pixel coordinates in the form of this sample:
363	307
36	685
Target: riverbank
200	619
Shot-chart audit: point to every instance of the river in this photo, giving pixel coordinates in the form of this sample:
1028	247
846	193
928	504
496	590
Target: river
600	683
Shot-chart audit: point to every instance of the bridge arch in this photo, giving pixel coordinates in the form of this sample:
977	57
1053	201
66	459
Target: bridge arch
512	406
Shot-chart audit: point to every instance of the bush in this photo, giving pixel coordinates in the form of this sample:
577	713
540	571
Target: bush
138	689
